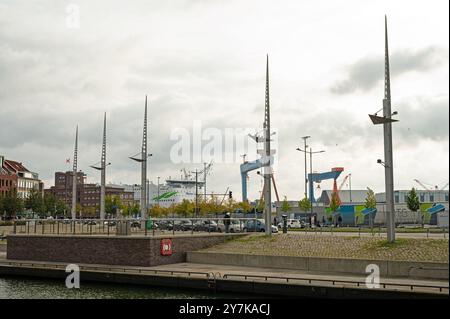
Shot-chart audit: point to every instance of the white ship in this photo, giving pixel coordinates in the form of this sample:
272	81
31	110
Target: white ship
174	191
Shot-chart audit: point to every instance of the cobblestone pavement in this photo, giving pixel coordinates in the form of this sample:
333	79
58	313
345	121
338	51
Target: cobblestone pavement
406	249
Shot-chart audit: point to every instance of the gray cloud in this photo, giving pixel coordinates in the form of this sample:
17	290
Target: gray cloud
364	74
201	60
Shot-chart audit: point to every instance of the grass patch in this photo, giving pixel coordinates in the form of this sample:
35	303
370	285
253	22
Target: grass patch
397	243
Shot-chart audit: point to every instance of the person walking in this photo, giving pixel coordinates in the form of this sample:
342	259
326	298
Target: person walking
226	222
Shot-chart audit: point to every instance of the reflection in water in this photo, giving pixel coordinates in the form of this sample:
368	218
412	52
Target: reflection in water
27	288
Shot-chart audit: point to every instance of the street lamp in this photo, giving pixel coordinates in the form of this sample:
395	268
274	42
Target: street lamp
306	178
310	168
387	121
158	191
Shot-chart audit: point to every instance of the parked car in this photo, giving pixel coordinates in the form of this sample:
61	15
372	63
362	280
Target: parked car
236	226
163	225
180	225
135	224
206	225
258	226
110	223
292	223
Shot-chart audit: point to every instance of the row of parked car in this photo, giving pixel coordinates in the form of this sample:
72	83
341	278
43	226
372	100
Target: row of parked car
235	226
181	224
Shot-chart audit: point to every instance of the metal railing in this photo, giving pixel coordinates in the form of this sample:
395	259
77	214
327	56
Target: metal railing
374	231
129	227
441	288
334	282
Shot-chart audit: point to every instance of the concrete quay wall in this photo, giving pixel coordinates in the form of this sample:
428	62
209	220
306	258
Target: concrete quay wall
351	266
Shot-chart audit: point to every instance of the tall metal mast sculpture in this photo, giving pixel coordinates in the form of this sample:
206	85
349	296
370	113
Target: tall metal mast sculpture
267	169
388	158
102	168
387	121
143	161
74	179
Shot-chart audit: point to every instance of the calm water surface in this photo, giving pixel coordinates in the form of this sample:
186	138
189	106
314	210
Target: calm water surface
20	288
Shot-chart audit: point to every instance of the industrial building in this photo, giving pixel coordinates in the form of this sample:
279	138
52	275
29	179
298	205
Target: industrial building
88	194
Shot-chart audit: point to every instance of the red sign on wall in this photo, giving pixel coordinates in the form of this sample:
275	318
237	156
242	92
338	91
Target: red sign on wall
166	247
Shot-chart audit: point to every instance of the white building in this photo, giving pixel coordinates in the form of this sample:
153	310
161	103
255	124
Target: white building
26	180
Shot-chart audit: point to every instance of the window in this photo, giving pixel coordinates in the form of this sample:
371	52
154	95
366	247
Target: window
446	197
432	198
397	198
422	198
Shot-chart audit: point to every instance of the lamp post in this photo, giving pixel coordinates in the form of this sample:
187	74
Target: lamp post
387	121
350	186
158	192
310	166
306	178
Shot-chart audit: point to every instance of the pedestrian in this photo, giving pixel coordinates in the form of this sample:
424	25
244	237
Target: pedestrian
226	222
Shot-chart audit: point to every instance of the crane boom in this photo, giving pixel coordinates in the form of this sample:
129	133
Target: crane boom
421	184
343	181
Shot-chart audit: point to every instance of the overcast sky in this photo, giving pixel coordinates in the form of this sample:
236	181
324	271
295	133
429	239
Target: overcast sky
205	60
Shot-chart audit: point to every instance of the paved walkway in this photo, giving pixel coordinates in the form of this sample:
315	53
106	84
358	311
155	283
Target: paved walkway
376	234
261	274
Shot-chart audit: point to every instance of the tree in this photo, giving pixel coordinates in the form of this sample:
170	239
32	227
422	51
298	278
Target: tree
412	200
260	207
61	208
304	204
230	205
12	205
185	208
285	207
413	203
112	205
245	207
334	204
371	202
35	203
49	203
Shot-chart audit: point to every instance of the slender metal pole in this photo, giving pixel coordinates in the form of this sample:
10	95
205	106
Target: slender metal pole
306	177
196	193
144	168
350	185
103	173
310	172
158	192
204	180
74	179
267	169
388	157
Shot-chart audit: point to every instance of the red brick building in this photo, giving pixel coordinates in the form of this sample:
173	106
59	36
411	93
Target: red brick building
88	195
14	176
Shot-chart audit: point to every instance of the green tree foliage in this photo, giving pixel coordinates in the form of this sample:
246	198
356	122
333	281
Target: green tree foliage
11	205
334	204
113	205
412	200
260	206
185	208
35	203
285	207
245	207
61	208
304	205
371	201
